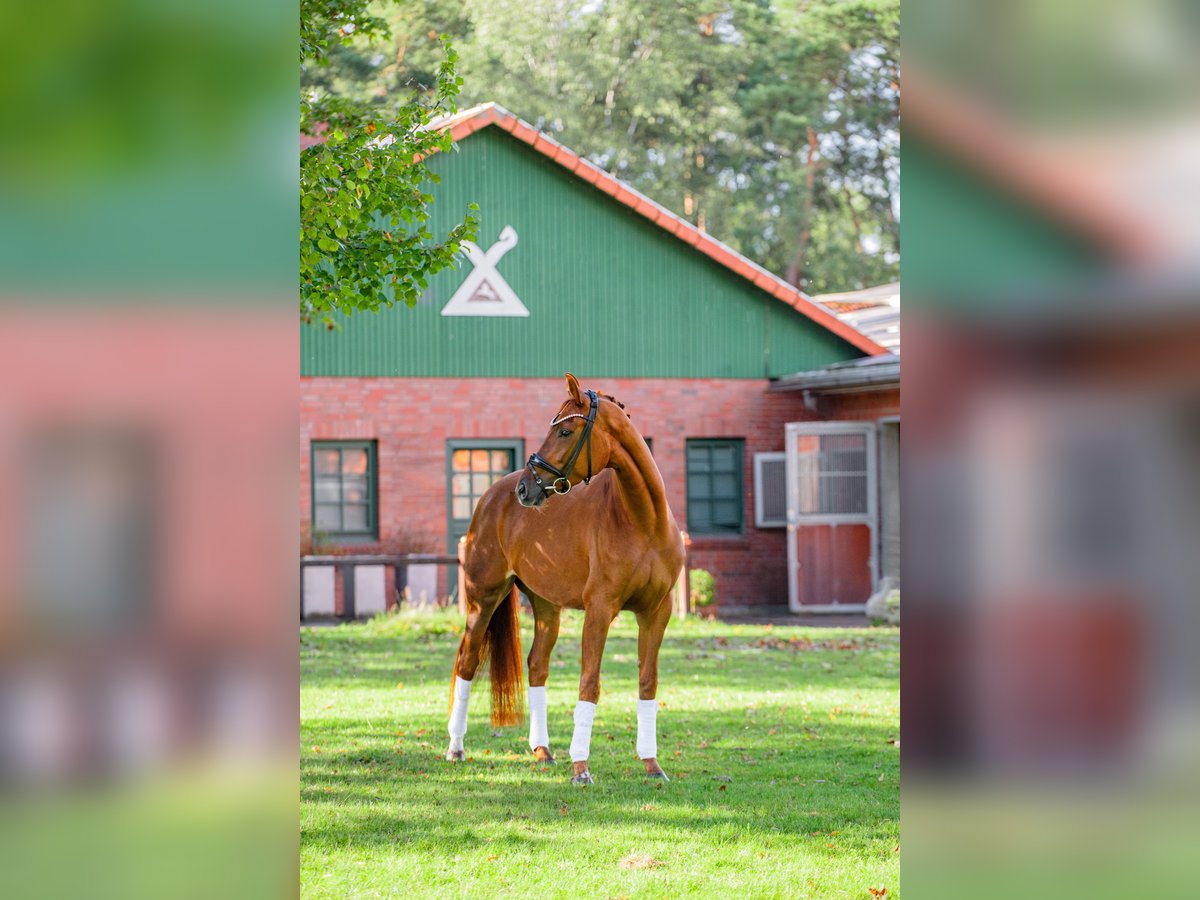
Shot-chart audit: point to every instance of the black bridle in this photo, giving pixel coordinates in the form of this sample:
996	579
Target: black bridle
563	475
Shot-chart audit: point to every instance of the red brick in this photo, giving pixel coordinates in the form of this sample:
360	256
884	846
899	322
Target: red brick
411	418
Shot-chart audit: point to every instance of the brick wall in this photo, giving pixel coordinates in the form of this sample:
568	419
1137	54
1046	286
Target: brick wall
412	419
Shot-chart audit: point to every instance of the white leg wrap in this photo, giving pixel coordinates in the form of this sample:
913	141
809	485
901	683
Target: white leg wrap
581	742
539	736
458	713
647	738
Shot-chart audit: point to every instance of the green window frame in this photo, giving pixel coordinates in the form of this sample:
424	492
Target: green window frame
344	481
715	485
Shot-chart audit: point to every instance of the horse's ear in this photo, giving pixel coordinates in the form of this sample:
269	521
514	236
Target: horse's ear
573	389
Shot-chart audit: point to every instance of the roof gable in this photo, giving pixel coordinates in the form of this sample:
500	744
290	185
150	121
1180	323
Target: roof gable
468	122
609	292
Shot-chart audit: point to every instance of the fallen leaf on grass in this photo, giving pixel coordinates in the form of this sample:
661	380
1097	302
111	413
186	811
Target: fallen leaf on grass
878	892
721	788
316	749
563	810
641	861
647	807
492	858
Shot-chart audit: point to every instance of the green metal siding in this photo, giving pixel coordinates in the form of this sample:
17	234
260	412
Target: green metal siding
972	236
609	293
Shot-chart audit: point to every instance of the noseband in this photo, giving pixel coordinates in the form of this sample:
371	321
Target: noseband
563	476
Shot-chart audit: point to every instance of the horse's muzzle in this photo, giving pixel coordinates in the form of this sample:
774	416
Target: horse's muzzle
529	494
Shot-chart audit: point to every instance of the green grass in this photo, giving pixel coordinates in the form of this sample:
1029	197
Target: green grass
779	742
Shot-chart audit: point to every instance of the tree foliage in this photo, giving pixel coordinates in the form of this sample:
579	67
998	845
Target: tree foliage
364	195
772	125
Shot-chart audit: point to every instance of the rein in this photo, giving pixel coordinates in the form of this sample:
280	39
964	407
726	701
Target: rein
562	476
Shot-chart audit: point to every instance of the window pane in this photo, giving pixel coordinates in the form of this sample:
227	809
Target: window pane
326	462
354	517
724	458
462	507
699	487
727	513
726	487
327	490
843	494
479	461
354	490
502	462
461	461
699	516
327	518
808	498
480	484
354	462
843	453
460	485
697	459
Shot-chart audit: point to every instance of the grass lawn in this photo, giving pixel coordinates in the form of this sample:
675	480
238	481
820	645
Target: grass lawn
782	746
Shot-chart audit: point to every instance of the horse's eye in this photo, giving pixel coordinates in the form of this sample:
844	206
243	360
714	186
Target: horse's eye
564	432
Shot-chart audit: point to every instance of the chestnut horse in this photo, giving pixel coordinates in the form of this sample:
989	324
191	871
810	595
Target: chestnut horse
584	526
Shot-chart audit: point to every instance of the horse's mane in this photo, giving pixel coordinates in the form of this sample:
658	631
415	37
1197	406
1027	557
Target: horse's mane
620	405
608	397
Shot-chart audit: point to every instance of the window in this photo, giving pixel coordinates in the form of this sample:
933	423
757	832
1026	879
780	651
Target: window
344	488
472	467
831	474
714	486
770	490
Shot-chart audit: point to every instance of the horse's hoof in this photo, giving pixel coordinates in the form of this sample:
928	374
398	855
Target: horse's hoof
455	755
583	778
543	755
660	775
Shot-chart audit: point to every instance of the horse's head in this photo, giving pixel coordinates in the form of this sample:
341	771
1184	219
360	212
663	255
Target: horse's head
574	450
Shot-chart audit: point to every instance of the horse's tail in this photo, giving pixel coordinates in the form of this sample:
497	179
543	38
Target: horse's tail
502	645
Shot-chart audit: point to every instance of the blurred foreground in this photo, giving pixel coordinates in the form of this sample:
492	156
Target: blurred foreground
147	431
1052	417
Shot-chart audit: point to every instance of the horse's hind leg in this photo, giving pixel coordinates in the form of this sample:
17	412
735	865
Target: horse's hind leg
651	627
545	633
596	620
466	662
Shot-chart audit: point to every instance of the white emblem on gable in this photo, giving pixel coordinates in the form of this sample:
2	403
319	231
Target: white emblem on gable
484	292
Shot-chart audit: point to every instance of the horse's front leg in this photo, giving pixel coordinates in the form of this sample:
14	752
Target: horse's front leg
596	621
651	627
545	634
